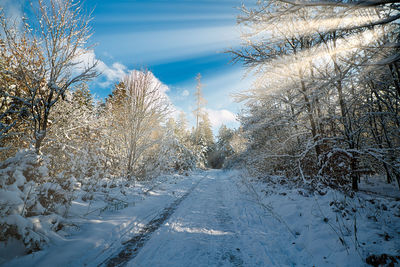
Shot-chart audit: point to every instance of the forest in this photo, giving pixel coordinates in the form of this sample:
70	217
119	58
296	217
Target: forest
327	96
322	114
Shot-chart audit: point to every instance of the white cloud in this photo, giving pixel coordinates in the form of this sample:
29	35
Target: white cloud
221	116
116	72
113	73
108	74
185	93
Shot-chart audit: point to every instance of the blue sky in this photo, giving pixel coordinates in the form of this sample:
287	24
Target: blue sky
174	39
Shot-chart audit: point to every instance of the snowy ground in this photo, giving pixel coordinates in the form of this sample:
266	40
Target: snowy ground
100	228
217	218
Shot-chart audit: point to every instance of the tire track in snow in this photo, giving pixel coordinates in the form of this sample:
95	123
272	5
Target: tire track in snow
230	249
132	247
227	254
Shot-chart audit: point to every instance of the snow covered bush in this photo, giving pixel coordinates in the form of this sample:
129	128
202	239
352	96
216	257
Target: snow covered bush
75	147
335	168
175	156
273	148
31	202
169	156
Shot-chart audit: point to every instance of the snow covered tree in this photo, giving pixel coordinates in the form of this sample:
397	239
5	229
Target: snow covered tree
222	148
75	144
13	113
202	140
50	61
40	61
137	106
205	131
225	135
181	128
308	107
173	152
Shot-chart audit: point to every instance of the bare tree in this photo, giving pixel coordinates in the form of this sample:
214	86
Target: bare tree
138	106
200	101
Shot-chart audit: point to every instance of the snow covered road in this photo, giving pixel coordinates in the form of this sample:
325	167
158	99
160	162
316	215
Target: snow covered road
216	225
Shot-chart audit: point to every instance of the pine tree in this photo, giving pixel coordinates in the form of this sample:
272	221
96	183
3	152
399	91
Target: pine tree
83	96
181	126
205	130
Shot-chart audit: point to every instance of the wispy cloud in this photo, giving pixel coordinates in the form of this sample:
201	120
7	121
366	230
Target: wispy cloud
113	73
179	17
167	45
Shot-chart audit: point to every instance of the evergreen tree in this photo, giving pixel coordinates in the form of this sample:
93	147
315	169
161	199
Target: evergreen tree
83	96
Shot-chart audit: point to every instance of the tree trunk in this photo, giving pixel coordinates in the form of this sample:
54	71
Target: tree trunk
354	175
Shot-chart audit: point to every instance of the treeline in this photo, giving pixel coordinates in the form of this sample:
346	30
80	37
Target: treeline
326	105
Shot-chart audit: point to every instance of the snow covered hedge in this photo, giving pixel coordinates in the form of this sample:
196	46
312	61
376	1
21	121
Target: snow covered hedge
31	202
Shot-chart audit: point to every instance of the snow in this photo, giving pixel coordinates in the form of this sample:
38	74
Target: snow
224	218
10	198
378	186
332	229
96	231
215	226
12	249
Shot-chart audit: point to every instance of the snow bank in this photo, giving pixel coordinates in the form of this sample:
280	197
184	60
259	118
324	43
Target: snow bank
332	228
